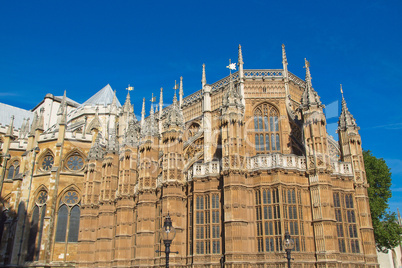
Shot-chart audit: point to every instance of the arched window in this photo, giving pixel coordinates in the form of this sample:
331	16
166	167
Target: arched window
13	170
36	226
266	127
68	218
47	162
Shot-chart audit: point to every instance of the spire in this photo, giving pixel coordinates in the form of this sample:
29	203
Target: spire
128	107
61	107
96	151
113	145
161	103
309	97
181	92
399	217
204	78
34	123
131	135
41	121
175	115
346	119
284	59
240	57
240	64
143	113
10	130
22	128
62	112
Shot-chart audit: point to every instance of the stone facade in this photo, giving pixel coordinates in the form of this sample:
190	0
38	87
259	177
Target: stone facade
236	165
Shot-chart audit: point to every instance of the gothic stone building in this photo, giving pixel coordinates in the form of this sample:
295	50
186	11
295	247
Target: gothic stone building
236	165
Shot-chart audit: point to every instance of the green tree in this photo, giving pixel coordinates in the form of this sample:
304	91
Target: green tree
387	231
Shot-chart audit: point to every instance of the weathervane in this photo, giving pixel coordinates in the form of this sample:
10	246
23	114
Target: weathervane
153	99
129	88
231	66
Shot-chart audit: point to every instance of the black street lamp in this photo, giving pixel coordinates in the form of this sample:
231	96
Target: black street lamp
288	245
168	232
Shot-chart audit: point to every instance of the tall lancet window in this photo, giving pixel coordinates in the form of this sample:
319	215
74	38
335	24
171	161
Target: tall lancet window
266	127
36	226
68	218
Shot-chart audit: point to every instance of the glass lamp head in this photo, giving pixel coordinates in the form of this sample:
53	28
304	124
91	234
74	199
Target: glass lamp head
288	243
168	231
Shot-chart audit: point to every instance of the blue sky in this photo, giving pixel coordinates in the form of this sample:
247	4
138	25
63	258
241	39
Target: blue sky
80	46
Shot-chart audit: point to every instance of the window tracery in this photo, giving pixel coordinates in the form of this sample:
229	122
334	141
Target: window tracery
47	162
68	218
36	227
75	162
13	170
348	240
270	218
266	127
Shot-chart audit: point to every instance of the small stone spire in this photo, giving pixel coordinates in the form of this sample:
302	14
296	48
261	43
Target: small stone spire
284	59
240	64
22	128
399	217
310	97
62	112
34	123
240	57
128	107
181	92
96	151
10	130
63	102
346	119
41	121
84	127
175	115
161	103
113	145
204	77
143	113
131	135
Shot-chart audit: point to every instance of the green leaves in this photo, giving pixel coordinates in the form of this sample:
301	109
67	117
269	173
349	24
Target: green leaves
387	231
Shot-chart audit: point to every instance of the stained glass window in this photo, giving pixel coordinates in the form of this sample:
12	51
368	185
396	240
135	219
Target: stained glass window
68	218
47	162
266	127
75	162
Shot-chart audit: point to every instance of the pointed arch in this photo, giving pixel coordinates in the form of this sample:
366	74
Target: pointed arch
13	168
266	128
74	160
68	215
46	160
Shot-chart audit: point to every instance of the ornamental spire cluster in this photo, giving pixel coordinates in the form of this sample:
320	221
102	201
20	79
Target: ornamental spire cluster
346	119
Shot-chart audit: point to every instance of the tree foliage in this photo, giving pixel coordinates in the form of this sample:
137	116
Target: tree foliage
387	231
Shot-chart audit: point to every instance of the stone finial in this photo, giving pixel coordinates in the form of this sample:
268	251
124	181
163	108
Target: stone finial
346	120
96	152
175	116
161	103
204	77
284	58
240	57
34	123
181	92
310	97
10	130
143	113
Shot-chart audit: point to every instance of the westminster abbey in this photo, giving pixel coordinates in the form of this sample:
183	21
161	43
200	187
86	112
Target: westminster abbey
236	165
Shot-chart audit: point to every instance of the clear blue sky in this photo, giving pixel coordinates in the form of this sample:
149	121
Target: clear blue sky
80	46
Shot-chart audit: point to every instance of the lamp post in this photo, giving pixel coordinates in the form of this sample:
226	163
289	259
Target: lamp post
168	232
288	245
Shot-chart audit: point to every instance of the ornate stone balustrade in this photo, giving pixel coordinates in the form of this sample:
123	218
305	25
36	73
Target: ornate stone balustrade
296	80
196	96
217	85
277	160
263	73
342	169
206	169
